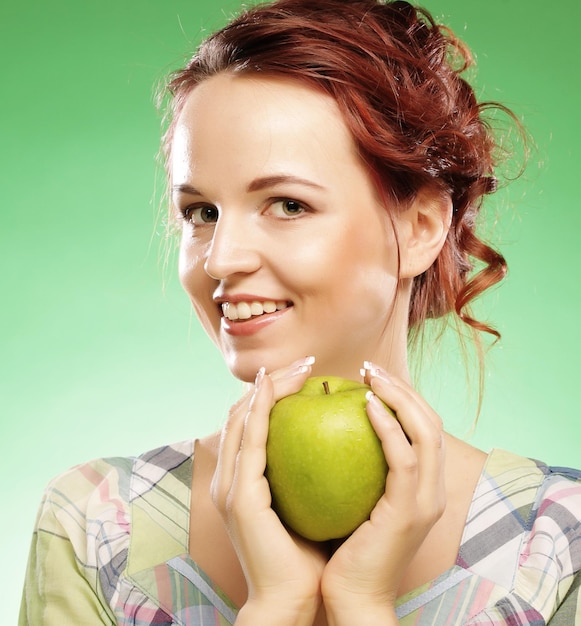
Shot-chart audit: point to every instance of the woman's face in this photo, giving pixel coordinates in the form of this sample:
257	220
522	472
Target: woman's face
286	250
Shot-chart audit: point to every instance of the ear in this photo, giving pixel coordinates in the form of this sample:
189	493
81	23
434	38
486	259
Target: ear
422	230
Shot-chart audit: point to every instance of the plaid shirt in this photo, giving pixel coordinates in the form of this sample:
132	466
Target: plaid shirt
111	547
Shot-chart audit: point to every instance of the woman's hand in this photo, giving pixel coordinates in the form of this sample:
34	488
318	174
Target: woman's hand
282	571
360	582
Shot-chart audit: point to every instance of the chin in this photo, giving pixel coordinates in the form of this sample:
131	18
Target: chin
244	375
246	366
245	369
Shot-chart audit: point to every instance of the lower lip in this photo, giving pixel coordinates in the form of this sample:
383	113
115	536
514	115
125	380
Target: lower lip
245	328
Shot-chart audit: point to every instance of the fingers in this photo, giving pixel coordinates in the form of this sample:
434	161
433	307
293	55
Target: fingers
290	379
414	413
251	459
230	440
397	387
275	564
413	444
246	430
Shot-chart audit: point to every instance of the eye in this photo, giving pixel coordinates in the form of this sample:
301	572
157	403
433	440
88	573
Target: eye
197	215
286	207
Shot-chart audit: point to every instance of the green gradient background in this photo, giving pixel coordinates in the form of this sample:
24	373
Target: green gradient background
100	354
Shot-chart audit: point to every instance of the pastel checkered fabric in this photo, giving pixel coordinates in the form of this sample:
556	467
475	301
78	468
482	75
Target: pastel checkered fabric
110	547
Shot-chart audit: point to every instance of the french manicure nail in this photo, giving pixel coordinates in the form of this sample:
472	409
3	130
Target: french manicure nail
259	376
374	400
296	371
375	371
308	360
378	404
372	369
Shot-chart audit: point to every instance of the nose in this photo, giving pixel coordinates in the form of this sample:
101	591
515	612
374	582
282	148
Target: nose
234	249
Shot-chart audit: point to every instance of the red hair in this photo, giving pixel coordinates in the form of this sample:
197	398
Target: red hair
395	75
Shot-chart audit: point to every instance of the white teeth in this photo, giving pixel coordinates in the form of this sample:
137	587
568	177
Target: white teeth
256	308
229	311
246	310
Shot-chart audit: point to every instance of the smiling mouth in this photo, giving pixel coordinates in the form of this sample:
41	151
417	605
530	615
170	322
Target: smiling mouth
241	311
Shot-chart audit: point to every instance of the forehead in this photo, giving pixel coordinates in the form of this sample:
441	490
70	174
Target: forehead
237	122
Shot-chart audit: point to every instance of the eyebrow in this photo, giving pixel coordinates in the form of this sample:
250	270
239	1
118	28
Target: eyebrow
257	184
278	179
184	188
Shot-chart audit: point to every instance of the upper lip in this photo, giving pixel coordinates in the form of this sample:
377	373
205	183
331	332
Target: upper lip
244	297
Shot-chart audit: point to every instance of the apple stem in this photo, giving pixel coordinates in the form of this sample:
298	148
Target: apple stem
326	387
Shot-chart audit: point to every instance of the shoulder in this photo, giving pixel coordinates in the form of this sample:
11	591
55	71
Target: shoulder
527	527
84	530
522	480
90	476
527	513
559	498
93	499
556	518
83	492
550	557
537	492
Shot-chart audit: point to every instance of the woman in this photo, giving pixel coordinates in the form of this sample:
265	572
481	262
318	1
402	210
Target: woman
327	163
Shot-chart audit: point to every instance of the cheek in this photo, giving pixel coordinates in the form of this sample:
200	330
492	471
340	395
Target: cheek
191	265
345	280
367	267
368	254
197	284
188	269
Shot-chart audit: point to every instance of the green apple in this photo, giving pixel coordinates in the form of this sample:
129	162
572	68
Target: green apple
324	463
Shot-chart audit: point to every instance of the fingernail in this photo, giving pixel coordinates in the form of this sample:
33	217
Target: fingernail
299	367
308	360
375	371
370	368
295	371
373	399
259	377
363	371
378	404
